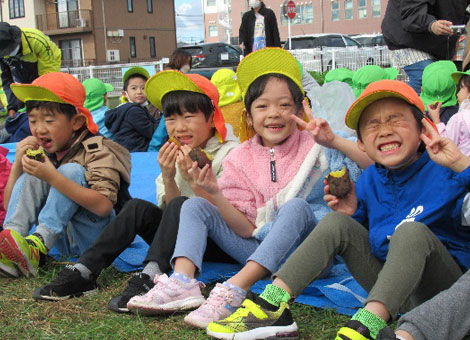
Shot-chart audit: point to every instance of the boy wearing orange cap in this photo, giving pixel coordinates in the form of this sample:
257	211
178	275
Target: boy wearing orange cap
69	192
399	232
193	119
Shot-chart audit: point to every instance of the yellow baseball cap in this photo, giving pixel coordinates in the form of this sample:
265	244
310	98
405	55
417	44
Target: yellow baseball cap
265	61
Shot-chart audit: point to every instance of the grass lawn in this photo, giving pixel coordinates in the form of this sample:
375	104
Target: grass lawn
87	317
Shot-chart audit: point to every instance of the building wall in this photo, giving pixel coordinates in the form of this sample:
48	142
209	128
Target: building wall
321	23
217	16
31	8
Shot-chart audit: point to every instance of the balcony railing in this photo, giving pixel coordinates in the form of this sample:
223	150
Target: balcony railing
65	22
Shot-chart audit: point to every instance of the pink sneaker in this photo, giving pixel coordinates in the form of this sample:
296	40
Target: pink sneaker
167	296
222	302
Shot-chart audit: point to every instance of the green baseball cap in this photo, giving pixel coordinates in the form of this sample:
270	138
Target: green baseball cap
391	73
135	70
457	75
438	85
365	76
340	74
95	90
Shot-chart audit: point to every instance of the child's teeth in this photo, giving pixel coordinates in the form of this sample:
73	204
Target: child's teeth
389	147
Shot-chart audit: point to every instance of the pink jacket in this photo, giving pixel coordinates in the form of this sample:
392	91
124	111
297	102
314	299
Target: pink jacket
458	128
246	178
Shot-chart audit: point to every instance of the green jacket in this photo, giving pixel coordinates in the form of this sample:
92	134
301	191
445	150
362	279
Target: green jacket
39	55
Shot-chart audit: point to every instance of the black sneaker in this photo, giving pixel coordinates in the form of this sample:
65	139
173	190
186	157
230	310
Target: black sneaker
386	334
138	284
69	283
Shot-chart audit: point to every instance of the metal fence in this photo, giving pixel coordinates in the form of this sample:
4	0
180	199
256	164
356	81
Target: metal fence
111	74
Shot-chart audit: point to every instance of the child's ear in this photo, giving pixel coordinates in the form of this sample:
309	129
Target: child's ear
248	119
124	94
360	145
78	121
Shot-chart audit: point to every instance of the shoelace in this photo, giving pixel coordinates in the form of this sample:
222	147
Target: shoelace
65	275
218	297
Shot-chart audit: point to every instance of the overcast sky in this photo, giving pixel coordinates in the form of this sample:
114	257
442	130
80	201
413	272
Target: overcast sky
189	20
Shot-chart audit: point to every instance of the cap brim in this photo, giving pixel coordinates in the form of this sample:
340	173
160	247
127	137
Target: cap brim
266	61
28	92
109	87
456	76
355	111
168	81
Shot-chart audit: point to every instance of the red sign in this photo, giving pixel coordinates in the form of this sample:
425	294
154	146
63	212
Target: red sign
291	9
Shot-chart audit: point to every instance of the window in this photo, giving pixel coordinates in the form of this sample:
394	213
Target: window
307	14
132	47
71	52
149	6
68	14
16	9
211	3
348	10
153	52
361	9
130	6
350	42
284	17
213	31
334	10
376	8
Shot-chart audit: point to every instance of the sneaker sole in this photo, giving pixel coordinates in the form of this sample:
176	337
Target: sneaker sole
6	271
274	332
196	323
37	295
170	307
11	251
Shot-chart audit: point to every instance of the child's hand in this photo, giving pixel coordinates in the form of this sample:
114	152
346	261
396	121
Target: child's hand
318	127
30	142
185	163
434	111
443	150
204	178
167	160
346	205
42	170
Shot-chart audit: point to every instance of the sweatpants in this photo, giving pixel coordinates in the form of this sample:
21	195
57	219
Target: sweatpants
157	227
445	316
417	267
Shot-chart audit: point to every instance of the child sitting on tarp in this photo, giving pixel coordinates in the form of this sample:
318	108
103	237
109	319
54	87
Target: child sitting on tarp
96	101
130	123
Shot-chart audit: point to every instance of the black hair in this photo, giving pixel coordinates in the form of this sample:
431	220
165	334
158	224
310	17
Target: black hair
65	109
417	114
257	87
135	75
464	81
176	101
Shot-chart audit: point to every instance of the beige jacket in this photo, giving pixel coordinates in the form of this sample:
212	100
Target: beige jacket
214	147
106	163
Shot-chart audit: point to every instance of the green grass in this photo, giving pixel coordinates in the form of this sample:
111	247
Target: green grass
88	318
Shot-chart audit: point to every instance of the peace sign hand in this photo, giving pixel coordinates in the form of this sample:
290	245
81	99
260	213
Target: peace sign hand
318	127
442	150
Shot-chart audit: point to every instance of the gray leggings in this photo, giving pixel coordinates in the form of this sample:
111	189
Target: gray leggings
418	266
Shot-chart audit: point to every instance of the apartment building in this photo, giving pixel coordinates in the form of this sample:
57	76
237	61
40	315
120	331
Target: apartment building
320	16
94	32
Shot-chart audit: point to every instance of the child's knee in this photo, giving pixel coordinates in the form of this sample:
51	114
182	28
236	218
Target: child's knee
73	171
197	204
410	233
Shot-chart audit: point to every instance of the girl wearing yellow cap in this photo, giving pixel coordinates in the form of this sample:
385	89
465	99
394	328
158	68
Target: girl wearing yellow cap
257	211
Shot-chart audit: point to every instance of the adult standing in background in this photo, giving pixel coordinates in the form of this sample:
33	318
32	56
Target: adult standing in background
25	54
258	28
418	32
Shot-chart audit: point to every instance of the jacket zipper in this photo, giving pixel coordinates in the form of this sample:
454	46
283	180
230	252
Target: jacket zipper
272	165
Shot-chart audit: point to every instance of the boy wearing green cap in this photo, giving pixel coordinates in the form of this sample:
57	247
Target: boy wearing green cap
65	180
96	102
130	123
439	91
399	226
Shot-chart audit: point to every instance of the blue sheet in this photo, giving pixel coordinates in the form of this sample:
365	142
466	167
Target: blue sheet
338	291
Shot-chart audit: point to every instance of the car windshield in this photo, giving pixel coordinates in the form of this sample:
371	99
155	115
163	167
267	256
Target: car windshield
366	41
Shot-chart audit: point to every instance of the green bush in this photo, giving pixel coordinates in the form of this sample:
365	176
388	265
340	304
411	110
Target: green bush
319	76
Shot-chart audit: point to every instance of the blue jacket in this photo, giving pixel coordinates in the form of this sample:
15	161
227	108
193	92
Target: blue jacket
131	125
423	192
17	127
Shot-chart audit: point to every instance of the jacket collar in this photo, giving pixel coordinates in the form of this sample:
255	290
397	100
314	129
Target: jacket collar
280	150
403	175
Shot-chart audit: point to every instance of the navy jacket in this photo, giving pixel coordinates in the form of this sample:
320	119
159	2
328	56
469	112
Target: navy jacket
423	192
131	125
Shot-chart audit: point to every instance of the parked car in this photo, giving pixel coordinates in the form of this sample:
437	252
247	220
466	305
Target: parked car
375	41
208	58
322	52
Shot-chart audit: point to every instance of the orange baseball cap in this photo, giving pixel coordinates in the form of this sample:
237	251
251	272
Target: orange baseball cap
56	87
379	90
168	81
